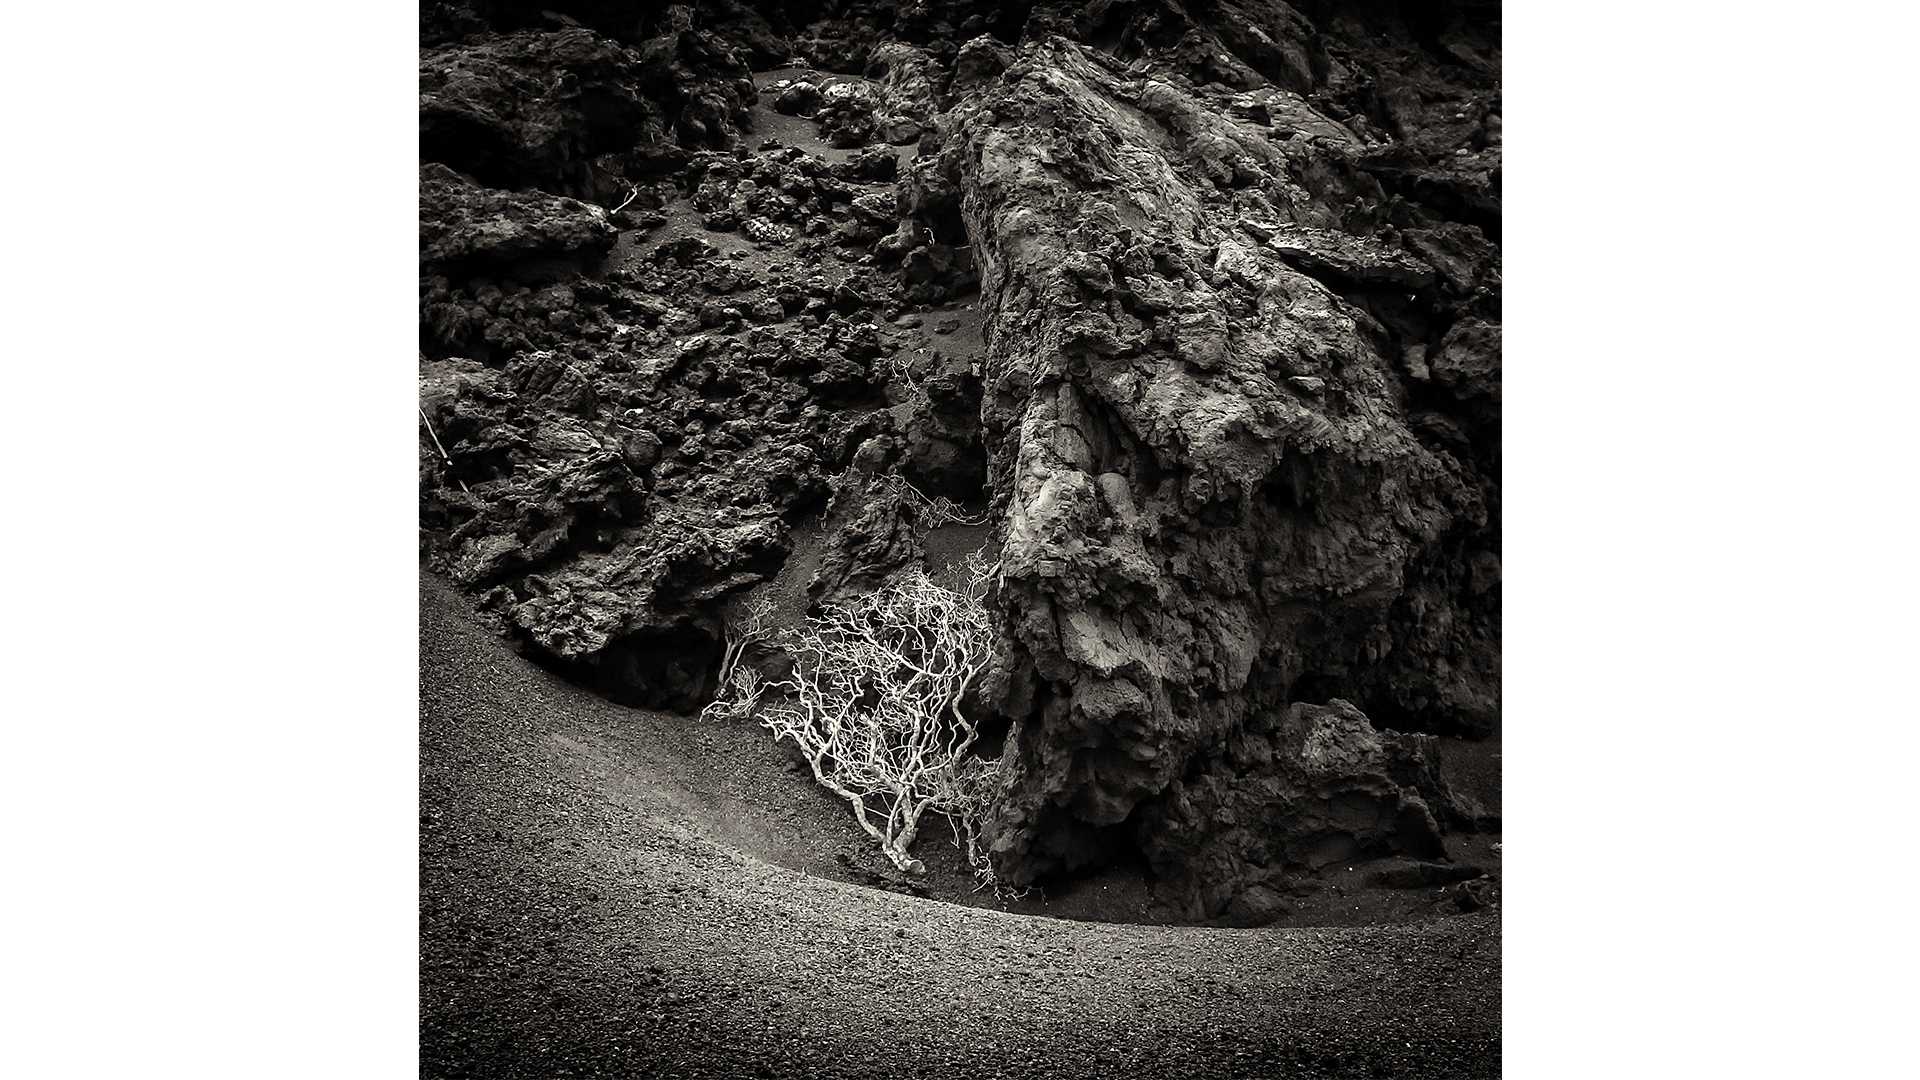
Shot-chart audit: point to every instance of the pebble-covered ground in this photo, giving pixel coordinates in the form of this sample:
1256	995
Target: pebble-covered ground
588	908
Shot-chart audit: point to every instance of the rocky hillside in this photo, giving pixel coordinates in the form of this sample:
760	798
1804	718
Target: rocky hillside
1197	305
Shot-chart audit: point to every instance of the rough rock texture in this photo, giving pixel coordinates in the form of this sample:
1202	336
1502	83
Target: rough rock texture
704	84
1294	790
1242	44
571	111
467	228
1236	407
1214	502
871	531
945	456
530	108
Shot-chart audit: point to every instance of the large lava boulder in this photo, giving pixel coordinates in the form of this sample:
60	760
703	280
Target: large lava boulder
1214	501
465	228
531	108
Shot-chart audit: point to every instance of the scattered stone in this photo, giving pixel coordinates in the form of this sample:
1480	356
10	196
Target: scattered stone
798	98
1471	895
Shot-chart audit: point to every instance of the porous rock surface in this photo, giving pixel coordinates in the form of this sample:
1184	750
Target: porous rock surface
466	226
1211	490
529	107
1198	303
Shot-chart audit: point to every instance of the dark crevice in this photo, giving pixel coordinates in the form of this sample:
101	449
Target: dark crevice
676	669
1442	201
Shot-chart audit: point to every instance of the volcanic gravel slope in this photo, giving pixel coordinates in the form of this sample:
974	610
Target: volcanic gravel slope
586	910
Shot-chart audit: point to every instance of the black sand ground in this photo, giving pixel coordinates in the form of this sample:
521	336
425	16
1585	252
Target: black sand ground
613	892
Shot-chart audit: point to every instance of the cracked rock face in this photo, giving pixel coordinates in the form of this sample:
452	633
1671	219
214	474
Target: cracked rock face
1211	493
467	227
530	107
1295	789
1228	380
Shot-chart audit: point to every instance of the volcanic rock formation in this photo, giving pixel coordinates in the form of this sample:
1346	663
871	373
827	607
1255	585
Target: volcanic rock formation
1198	303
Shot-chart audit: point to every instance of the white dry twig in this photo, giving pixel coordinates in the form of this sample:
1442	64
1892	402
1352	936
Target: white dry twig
750	620
938	511
879	682
444	456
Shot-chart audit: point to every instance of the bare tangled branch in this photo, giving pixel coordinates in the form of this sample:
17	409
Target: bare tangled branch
748	621
939	510
970	788
444	456
737	697
901	367
879	684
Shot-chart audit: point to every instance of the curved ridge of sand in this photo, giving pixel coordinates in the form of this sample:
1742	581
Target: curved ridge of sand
588	908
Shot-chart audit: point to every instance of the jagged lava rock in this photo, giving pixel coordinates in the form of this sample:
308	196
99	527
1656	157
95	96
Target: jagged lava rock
1292	792
1238	413
530	107
1208	489
704	86
470	229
